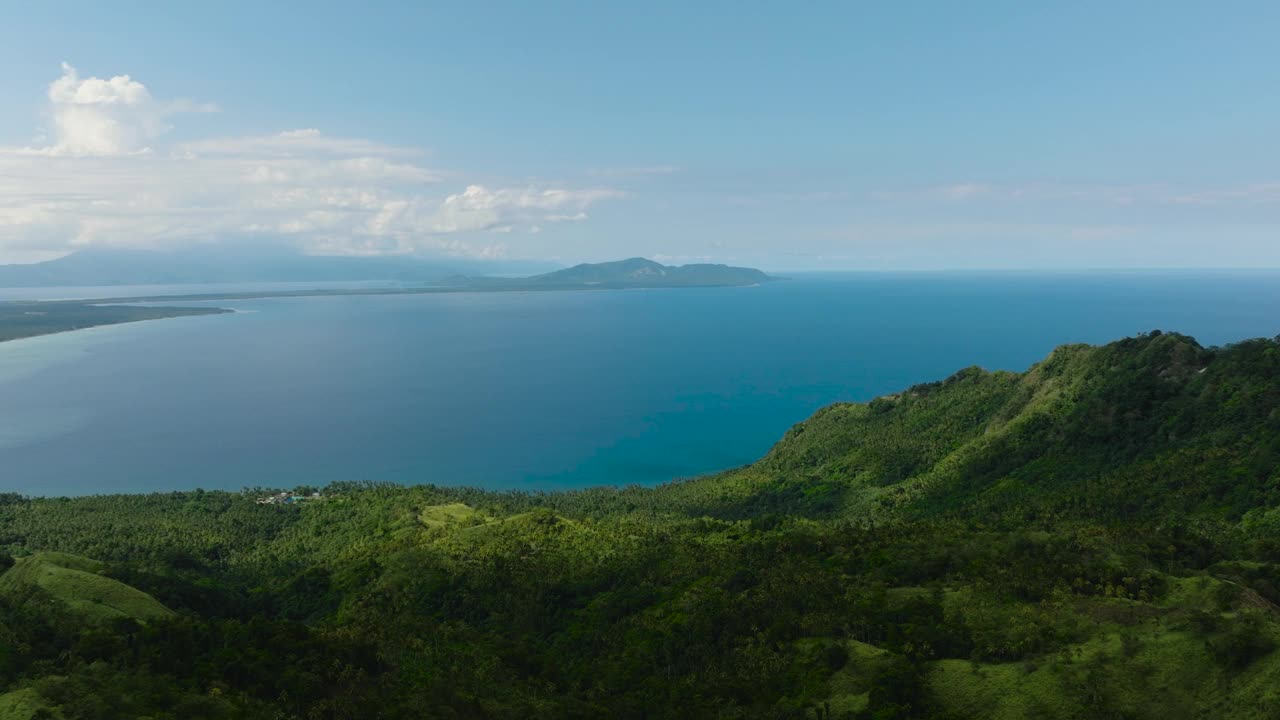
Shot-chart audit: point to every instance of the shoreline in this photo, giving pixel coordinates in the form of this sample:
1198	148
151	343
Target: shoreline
145	314
141	304
426	290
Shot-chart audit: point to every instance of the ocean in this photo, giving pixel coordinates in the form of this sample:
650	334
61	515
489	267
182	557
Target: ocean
542	391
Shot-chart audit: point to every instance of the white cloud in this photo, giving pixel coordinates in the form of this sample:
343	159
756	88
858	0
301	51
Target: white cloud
960	191
118	116
575	217
1098	194
1008	244
306	142
479	208
1253	194
635	172
108	181
681	258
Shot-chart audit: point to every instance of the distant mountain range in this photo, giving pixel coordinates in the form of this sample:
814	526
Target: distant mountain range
143	267
182	267
28	318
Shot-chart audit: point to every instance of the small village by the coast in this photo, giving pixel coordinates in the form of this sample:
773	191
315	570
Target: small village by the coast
288	498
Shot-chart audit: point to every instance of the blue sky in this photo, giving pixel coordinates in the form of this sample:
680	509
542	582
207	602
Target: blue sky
785	135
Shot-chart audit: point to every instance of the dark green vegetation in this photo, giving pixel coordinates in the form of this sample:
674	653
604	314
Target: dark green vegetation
28	319
1098	537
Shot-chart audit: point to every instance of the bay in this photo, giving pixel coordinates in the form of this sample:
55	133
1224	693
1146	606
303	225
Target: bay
546	390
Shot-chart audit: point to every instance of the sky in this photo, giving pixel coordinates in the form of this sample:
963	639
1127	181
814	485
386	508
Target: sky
786	136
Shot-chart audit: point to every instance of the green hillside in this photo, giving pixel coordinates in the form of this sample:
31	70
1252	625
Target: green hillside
26	704
1098	537
77	585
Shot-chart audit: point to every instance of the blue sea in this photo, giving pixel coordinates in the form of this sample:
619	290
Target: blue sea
541	391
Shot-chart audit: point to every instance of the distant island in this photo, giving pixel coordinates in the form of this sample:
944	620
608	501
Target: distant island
20	319
639	272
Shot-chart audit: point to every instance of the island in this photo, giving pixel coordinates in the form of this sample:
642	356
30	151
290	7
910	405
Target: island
21	319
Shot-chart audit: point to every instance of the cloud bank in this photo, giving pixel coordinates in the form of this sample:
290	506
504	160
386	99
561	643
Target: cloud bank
107	178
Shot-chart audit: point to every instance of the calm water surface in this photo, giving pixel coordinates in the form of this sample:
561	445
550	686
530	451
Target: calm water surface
541	390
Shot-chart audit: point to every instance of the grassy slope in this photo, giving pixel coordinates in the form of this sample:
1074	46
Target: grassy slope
1168	675
75	583
24	704
1127	431
1142	426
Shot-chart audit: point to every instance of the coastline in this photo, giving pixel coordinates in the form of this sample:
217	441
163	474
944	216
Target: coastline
87	320
425	290
135	308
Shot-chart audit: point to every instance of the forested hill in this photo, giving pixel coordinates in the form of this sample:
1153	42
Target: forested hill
647	273
1098	537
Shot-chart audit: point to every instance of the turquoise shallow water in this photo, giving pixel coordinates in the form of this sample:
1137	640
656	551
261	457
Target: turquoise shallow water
542	390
